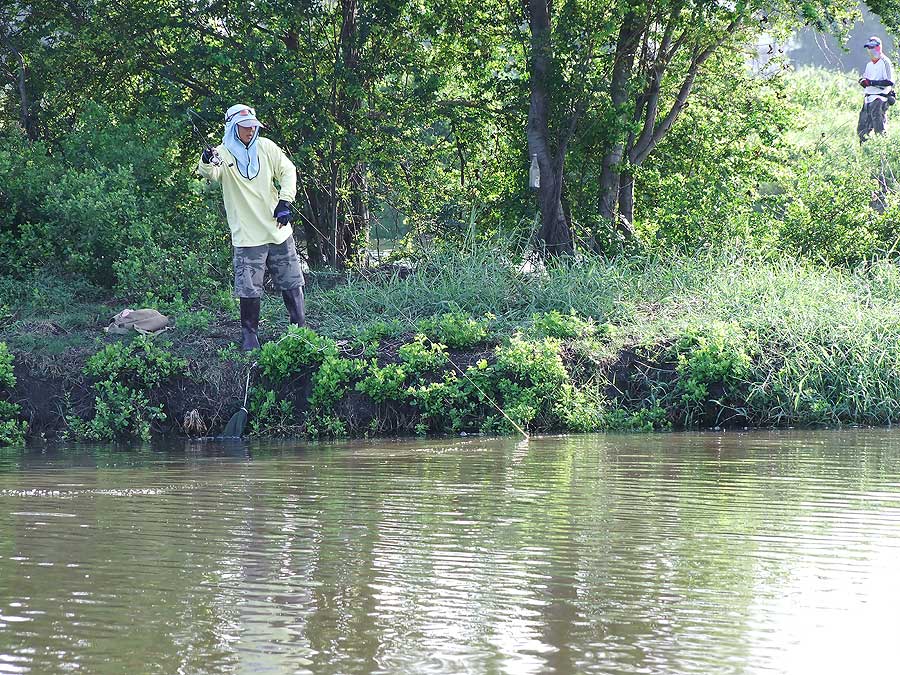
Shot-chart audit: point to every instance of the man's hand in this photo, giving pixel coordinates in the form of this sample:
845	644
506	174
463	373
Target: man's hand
283	213
863	82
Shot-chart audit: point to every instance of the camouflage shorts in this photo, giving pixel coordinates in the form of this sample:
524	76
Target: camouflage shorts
250	263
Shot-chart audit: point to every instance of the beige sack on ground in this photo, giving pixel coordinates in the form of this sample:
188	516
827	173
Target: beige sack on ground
144	321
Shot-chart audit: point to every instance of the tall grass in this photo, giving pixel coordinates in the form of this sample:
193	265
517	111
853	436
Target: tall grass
825	340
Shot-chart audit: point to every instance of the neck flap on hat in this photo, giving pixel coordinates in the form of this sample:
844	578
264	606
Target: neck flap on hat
245	156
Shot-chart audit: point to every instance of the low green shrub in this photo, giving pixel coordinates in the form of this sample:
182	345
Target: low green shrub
270	415
140	363
648	418
12	429
422	355
387	383
531	383
332	380
456	329
324	425
127	376
718	353
457	402
297	349
196	320
120	414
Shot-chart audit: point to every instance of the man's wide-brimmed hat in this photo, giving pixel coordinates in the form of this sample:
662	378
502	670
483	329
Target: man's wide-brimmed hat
243	116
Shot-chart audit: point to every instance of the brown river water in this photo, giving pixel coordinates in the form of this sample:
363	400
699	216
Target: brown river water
667	553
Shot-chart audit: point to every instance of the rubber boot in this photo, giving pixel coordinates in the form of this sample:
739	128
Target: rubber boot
293	300
249	324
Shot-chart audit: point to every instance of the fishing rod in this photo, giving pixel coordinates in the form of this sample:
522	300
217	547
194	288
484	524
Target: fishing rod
215	158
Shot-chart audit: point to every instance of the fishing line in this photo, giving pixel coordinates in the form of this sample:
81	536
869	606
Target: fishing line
411	324
216	159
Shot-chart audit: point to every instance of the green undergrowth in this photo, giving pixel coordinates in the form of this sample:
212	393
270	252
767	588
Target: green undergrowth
127	378
12	429
719	338
620	344
519	383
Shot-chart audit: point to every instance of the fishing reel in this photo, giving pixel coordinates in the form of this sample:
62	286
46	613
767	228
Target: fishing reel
214	157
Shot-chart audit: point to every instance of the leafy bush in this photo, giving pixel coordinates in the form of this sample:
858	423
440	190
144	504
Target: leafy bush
120	414
127	374
423	355
297	349
271	416
7	378
647	418
455	403
140	363
719	353
530	378
324	425
12	429
826	213
386	383
456	329
108	203
702	185
332	380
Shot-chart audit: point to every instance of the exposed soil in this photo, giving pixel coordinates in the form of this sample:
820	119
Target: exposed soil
52	386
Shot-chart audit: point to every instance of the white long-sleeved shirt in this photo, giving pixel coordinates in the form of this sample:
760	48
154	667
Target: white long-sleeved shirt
250	204
878	70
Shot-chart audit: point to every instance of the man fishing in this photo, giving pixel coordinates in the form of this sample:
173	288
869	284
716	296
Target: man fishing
877	82
259	215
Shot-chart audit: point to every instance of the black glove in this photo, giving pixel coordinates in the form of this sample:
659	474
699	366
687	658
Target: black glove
207	155
283	212
863	82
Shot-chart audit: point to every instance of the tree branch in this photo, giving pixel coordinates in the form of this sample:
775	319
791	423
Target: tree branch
21	81
648	141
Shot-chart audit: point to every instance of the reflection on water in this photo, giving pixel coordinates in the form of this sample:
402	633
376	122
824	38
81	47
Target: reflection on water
680	553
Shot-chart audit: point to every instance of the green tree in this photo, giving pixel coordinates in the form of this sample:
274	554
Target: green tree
634	65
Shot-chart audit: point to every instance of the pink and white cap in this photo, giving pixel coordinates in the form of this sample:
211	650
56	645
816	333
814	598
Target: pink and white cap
242	115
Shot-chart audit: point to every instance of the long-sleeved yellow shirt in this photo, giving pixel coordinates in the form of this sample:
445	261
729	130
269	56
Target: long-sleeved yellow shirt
250	204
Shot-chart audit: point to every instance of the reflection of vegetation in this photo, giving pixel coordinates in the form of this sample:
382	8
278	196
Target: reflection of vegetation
386	553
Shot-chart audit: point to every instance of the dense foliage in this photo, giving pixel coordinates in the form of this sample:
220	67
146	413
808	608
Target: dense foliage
663	132
419	119
12	429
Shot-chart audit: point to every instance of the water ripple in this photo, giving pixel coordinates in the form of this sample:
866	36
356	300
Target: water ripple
679	553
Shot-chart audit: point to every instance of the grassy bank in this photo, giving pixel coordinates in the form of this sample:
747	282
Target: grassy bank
469	341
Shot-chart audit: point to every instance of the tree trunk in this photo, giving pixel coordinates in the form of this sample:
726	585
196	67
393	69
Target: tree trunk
352	219
21	82
338	216
611	167
356	237
626	199
313	225
554	233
